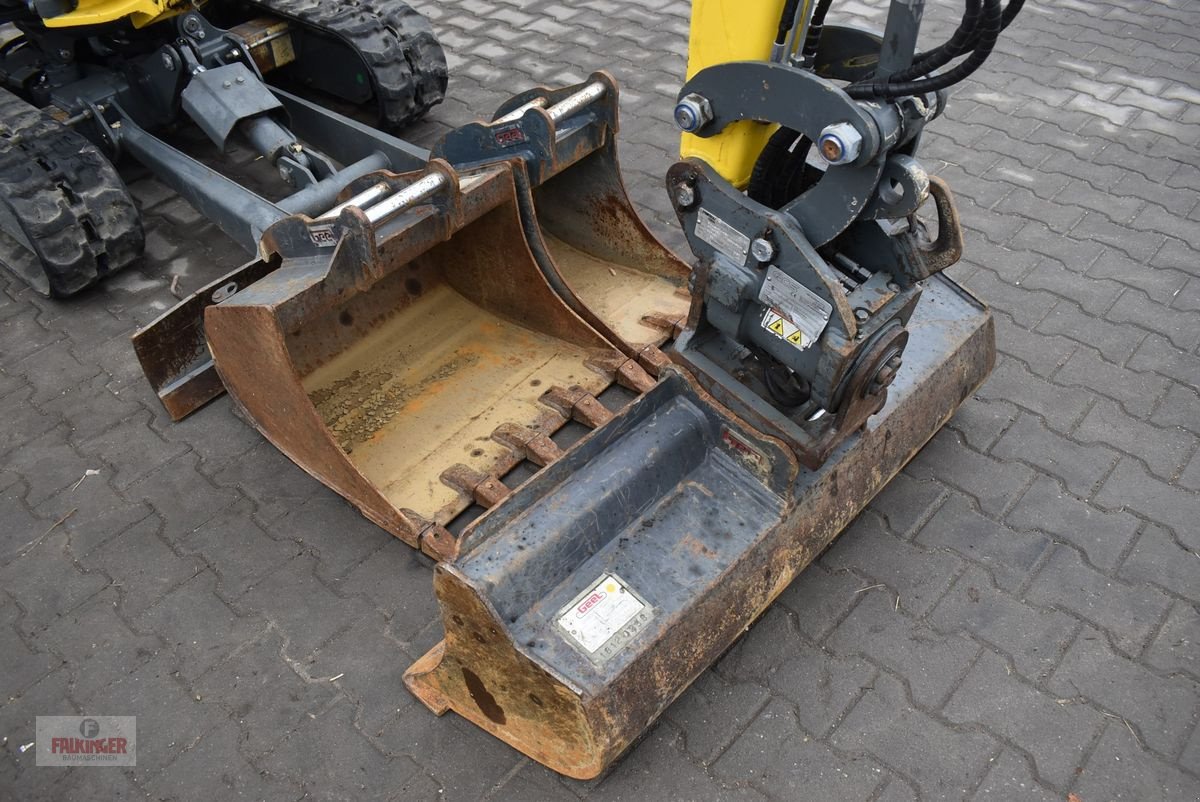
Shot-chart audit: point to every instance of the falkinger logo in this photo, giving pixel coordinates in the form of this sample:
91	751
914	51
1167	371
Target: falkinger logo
86	740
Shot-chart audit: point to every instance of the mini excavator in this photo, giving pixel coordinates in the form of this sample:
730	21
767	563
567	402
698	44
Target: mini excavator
617	459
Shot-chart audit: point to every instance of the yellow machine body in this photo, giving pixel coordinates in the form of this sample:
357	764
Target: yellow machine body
99	12
731	30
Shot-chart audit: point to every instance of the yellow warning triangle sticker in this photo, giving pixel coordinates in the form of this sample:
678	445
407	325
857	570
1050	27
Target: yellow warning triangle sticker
777	326
797	338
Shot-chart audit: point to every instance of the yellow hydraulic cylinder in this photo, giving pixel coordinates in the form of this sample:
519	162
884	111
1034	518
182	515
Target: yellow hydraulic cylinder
731	30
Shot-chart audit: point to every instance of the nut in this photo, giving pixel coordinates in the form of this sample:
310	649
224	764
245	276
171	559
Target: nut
762	249
685	196
840	143
693	112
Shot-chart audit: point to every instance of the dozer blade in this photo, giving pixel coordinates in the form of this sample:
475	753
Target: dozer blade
587	602
580	229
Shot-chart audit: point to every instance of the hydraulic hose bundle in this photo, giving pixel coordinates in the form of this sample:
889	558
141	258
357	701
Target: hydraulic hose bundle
976	35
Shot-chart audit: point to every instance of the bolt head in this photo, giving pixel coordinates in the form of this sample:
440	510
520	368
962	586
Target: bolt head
762	249
685	196
168	62
840	143
861	315
693	112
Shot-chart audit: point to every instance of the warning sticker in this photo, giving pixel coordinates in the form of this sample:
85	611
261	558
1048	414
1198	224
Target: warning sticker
604	617
783	328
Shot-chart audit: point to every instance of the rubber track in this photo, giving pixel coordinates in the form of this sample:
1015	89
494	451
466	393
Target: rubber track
69	200
397	44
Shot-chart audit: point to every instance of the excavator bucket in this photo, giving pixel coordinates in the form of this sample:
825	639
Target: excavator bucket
587	602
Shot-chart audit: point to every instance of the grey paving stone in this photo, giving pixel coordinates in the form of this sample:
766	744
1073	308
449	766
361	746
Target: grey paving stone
197	626
1156	354
1047	508
1079	467
1034	638
1128	613
286	598
1136	391
446	752
18	722
333	531
20	666
1011	778
169	718
1120	769
1190	476
1056	735
664	772
259	691
713	712
271	480
47	583
1010	556
91	407
148	567
944	762
993	484
398	581
330	760
21	529
819	598
918	575
215	764
1177	645
48	464
780	758
981	422
1132	487
183	498
369	664
931	663
1181	328
133	449
99	645
52	371
1116	342
1158	283
238	550
1180	406
905	502
1162	710
1161	559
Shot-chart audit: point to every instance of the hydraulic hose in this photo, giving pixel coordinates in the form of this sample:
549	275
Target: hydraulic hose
813	38
786	20
987	32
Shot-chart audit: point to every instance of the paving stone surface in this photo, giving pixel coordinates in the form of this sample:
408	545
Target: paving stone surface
1016	617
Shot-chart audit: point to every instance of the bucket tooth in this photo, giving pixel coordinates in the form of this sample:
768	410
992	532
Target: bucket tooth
486	490
578	405
667	322
437	542
627	372
653	360
533	445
